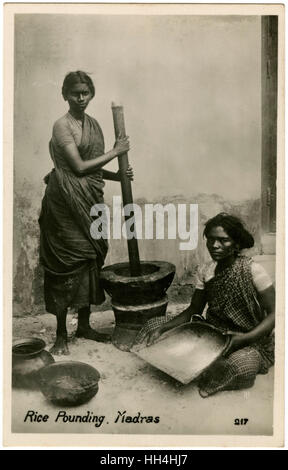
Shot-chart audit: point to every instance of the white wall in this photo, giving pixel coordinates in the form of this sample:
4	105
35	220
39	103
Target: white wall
190	87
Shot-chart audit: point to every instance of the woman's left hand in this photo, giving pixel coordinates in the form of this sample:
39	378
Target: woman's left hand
237	341
129	173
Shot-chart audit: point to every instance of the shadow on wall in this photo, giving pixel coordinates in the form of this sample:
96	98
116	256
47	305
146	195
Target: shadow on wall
28	274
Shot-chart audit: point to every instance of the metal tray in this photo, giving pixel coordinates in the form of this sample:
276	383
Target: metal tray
186	351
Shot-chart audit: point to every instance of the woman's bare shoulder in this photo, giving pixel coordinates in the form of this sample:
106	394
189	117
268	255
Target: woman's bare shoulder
62	133
61	123
261	278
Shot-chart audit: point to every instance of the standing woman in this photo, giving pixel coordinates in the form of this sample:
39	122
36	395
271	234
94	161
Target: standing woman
71	258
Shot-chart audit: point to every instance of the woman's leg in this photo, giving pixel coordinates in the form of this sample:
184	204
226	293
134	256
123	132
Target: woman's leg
236	372
60	346
84	329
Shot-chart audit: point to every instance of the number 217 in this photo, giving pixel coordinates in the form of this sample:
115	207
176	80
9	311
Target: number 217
240	421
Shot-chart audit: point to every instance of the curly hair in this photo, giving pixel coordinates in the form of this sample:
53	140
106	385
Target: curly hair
77	77
233	227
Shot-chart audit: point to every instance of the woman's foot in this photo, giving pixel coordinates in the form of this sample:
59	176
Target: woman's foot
60	347
89	333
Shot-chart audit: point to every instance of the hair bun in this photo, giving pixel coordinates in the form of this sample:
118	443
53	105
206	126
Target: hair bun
246	239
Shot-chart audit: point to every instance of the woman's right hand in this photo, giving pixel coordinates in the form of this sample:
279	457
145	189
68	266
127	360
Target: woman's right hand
153	336
122	145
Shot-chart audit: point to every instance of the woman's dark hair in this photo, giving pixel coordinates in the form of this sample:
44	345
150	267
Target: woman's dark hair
77	77
233	227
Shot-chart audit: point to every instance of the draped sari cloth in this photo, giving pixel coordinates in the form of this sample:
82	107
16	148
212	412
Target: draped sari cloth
71	258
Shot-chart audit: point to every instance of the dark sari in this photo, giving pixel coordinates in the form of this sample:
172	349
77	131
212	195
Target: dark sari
71	258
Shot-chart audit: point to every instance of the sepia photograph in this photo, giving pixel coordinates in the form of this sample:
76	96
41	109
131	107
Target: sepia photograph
144	243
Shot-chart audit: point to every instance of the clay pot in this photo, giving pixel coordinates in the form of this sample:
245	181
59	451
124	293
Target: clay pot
28	358
69	383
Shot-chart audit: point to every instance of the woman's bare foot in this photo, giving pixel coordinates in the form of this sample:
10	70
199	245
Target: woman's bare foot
60	347
89	333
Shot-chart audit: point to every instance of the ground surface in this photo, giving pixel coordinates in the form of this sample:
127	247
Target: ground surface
129	384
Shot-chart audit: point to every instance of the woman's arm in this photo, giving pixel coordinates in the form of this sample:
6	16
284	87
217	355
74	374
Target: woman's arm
197	305
267	303
112	176
83	167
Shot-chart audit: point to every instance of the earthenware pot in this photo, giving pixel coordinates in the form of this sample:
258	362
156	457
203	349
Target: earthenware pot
69	383
28	358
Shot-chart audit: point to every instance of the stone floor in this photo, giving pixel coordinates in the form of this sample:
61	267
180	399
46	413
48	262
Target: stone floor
129	384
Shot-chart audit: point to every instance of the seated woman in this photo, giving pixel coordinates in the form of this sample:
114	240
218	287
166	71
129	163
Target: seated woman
241	303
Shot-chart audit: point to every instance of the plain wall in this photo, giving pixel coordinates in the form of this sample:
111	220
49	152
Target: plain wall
191	90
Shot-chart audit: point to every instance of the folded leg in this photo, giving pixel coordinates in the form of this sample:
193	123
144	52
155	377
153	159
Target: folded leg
238	371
